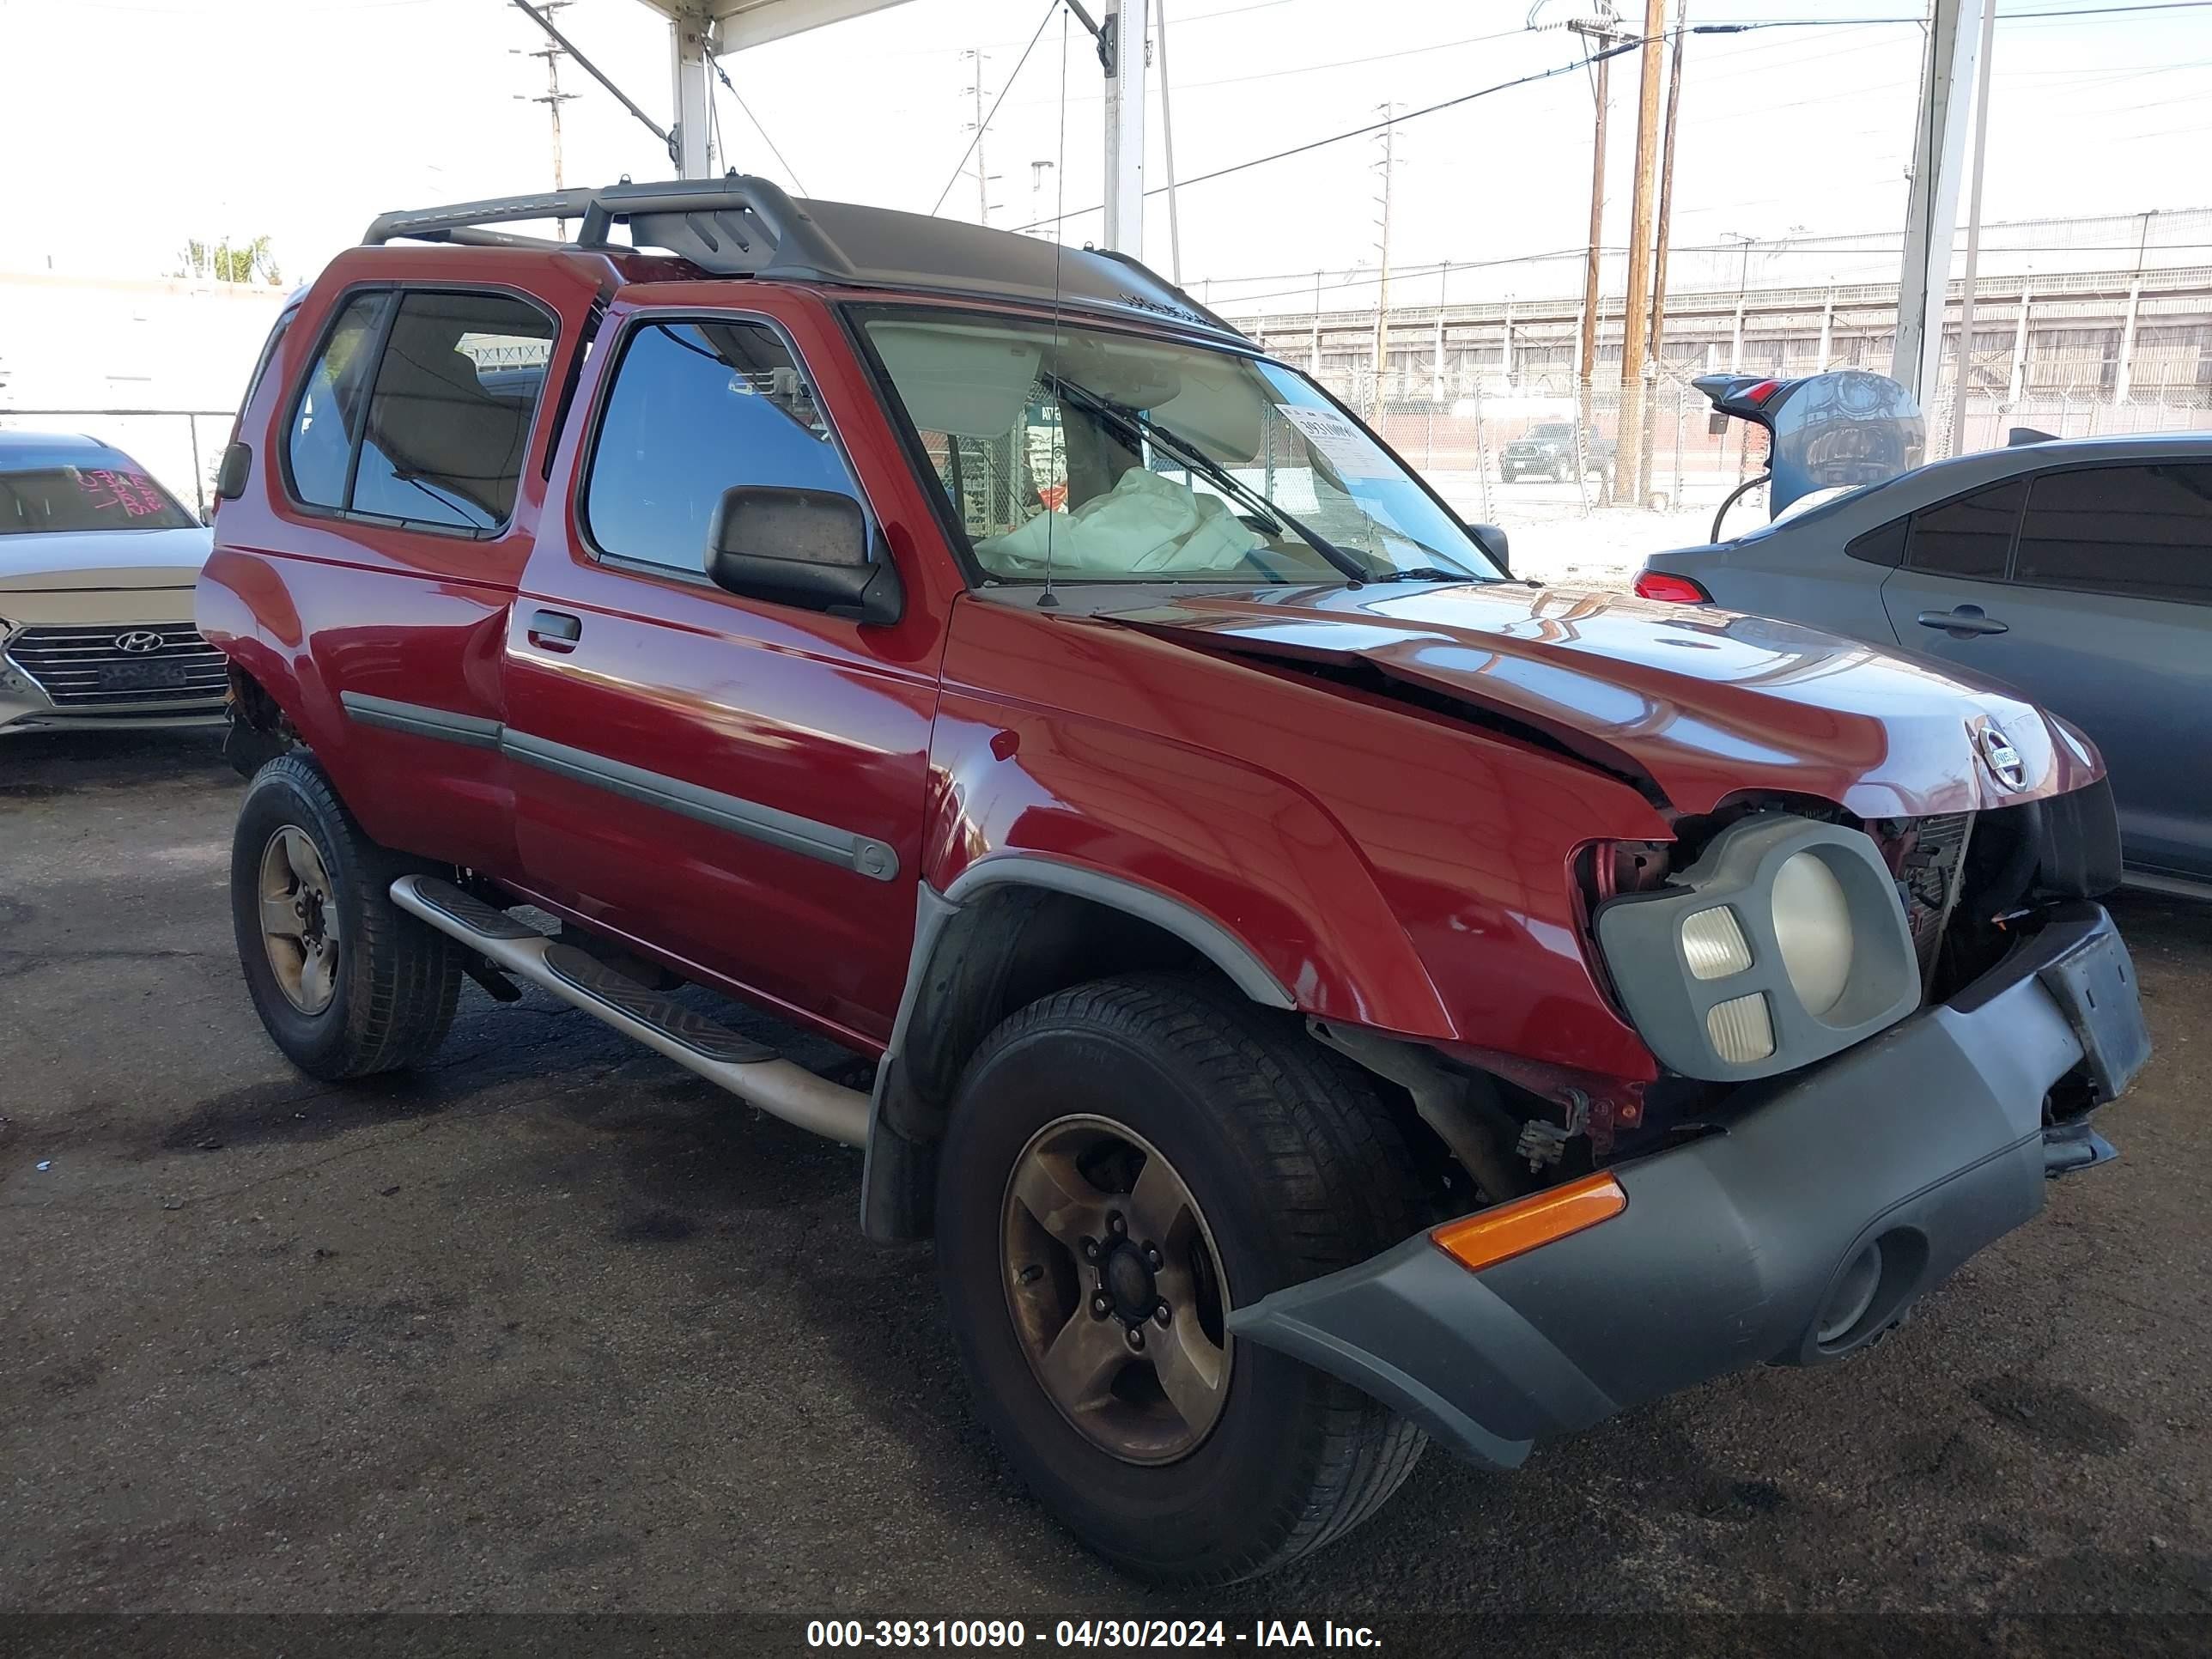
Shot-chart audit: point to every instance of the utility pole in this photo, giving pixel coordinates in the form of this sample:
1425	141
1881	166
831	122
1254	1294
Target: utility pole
1659	254
1122	34
982	179
2123	385
1636	323
1932	207
1602	32
1313	366
553	98
1742	286
1958	385
1167	145
1037	171
1389	164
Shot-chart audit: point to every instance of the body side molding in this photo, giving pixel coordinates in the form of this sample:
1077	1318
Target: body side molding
878	861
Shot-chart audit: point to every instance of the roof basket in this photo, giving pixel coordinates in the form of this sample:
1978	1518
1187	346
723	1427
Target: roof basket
730	227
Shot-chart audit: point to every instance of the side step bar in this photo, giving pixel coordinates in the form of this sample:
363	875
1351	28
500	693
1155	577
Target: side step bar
754	1073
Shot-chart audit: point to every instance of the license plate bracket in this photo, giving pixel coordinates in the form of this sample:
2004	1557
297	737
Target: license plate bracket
2094	985
152	676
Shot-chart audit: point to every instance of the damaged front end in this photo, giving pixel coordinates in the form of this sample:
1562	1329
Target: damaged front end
1798	1225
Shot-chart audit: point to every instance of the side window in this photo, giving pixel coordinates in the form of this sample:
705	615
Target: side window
450	418
1882	546
269	347
327	417
1969	537
698	407
2143	532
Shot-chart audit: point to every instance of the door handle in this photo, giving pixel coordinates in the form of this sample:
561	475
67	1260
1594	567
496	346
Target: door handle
1963	622
555	630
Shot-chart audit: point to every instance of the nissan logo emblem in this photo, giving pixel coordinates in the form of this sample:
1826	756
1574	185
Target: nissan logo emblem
139	640
2000	758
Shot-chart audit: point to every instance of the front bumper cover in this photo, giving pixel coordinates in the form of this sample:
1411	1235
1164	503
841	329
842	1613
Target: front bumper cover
1926	1143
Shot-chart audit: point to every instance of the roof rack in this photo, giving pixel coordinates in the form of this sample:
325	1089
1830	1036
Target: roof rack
738	226
732	226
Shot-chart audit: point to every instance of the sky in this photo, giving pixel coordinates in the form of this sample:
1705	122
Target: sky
128	126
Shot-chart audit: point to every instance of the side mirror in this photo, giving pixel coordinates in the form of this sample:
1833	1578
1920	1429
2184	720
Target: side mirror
809	547
230	477
1492	540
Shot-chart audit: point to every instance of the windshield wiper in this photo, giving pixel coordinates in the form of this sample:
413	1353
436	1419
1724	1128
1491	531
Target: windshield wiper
1429	572
1199	462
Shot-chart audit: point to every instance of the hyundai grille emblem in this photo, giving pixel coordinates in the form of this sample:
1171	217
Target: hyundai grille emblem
2003	759
139	640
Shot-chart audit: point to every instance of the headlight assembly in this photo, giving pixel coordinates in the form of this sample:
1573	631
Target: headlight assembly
1785	942
1813	929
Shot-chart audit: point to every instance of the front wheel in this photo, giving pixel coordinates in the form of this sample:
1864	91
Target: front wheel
1127	1162
346	982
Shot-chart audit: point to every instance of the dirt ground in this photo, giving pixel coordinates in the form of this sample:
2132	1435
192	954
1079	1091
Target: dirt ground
553	1326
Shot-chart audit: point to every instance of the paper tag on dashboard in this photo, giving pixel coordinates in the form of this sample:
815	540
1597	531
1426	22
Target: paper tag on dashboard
1343	445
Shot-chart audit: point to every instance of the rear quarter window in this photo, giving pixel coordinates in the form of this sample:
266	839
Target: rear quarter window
419	407
1970	536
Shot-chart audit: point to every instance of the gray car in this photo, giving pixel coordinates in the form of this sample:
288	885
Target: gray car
2079	572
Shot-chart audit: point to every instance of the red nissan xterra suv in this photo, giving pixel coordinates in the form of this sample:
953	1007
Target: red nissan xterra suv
1321	994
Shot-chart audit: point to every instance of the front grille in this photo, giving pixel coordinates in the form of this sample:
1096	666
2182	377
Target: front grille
88	668
1929	873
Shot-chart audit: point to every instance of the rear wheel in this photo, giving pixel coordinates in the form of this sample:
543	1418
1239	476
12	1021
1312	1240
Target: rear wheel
1127	1162
346	982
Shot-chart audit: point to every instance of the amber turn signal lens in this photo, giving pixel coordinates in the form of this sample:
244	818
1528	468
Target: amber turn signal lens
1490	1236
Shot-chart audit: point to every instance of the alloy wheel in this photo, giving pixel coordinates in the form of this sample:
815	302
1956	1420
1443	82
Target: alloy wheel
299	920
1116	1290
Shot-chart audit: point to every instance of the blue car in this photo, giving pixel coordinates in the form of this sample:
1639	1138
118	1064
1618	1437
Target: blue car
2078	572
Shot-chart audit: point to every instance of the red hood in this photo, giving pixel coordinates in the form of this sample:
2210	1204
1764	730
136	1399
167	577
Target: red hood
1703	704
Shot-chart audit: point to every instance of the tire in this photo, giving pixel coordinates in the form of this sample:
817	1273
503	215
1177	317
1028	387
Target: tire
381	994
1293	1170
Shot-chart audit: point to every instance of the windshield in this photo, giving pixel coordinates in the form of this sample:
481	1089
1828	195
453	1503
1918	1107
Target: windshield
116	495
1091	456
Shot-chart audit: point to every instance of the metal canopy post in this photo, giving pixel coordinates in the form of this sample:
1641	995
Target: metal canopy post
1946	82
689	54
1123	45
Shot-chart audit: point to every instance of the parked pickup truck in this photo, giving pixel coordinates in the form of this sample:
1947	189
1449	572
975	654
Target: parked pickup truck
1321	994
1549	451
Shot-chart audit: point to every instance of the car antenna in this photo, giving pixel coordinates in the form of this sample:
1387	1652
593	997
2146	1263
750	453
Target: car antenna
1048	600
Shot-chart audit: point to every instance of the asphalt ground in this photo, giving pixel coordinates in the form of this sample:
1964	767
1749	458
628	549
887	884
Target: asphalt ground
553	1326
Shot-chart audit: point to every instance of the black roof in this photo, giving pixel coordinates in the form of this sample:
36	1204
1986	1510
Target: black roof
746	227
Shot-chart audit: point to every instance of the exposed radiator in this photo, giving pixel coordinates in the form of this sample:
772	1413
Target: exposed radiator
1928	872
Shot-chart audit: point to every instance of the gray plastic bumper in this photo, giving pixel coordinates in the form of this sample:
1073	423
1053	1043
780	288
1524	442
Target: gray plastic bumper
1925	1143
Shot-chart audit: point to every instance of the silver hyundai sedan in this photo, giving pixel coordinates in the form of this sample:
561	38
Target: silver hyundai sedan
97	563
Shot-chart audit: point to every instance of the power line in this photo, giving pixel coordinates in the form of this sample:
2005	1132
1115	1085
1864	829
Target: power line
1552	73
1051	7
723	76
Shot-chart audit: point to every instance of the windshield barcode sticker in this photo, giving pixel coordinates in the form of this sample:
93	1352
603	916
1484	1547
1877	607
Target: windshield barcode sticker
1339	442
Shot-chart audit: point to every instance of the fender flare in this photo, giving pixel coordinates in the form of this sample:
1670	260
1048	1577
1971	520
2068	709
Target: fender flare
1200	932
892	1202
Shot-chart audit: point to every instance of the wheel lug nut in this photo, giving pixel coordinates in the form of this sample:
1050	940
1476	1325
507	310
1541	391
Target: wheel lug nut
1163	1314
1100	1307
1137	1338
1116	1225
1090	1250
1152	1257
